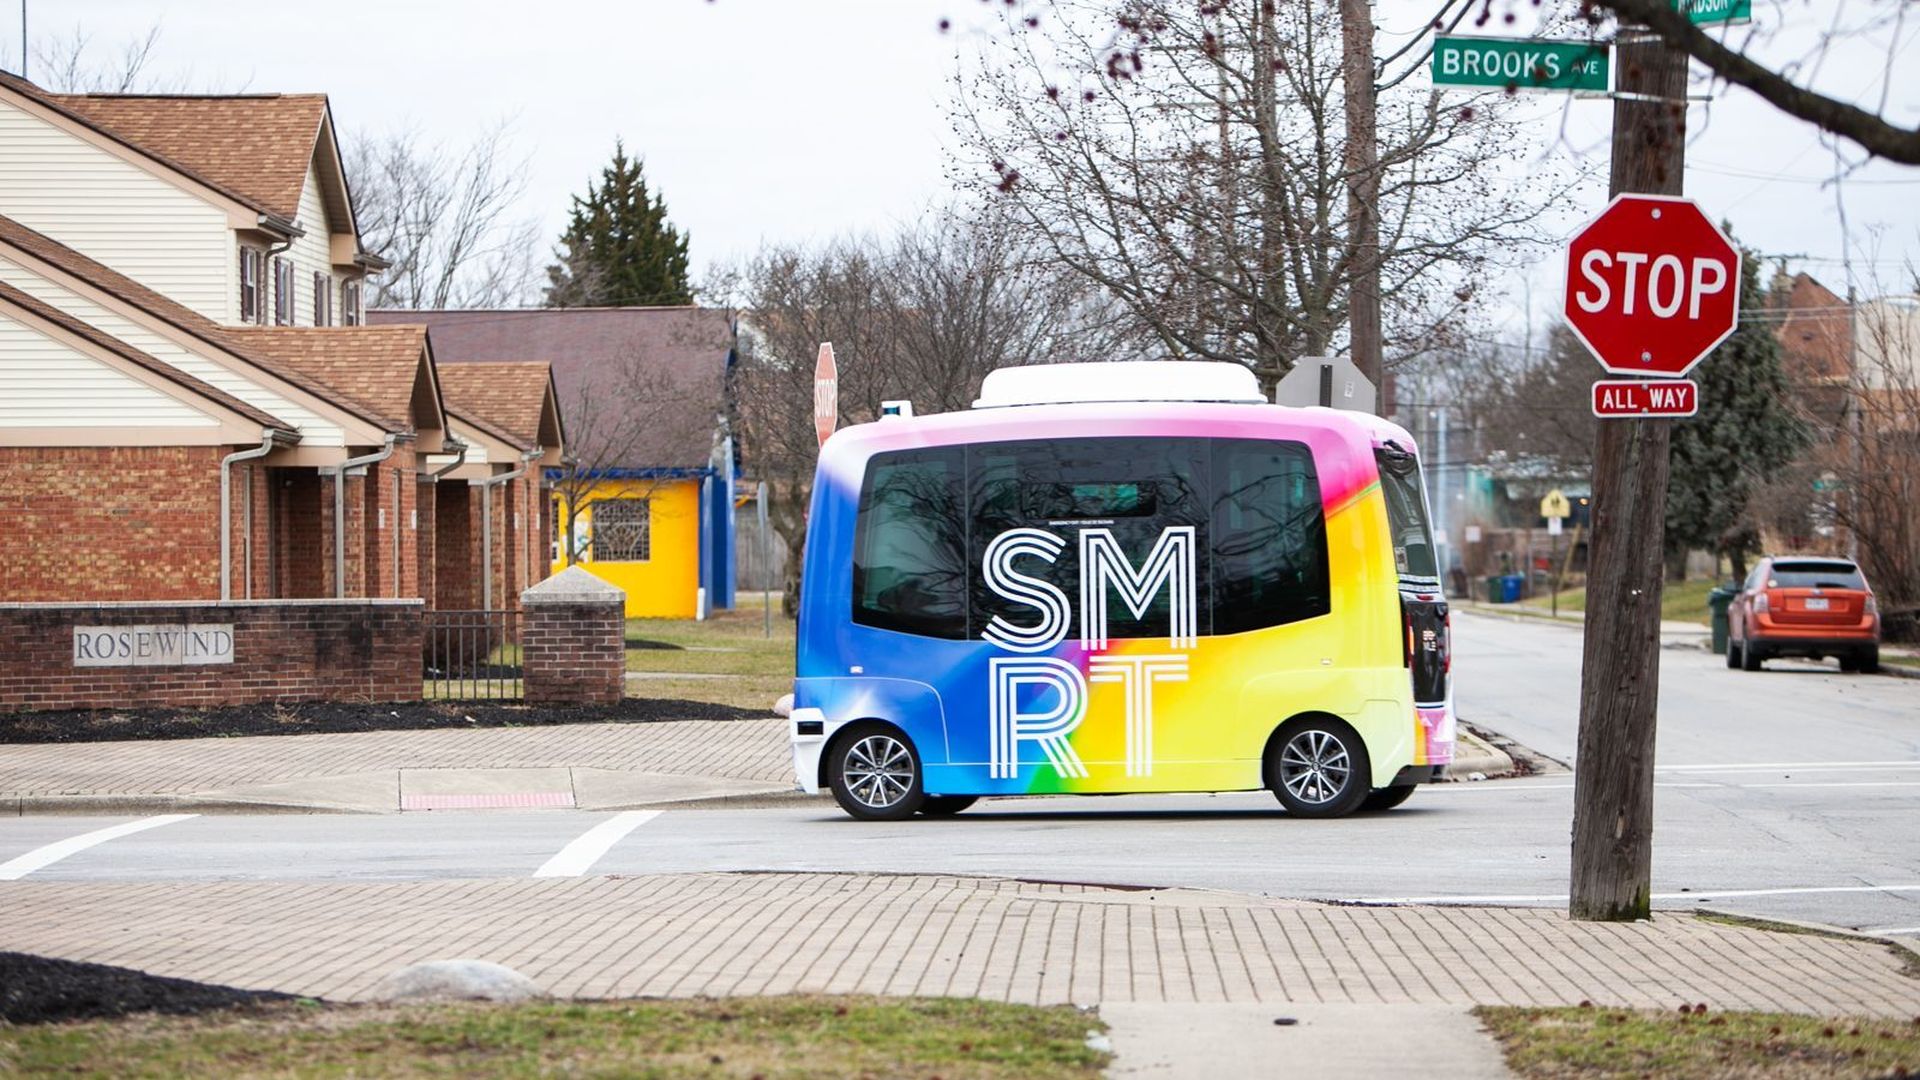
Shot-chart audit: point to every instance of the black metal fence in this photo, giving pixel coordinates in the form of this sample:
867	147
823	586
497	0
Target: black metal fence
473	656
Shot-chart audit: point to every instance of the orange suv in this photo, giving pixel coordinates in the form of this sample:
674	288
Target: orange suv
1804	606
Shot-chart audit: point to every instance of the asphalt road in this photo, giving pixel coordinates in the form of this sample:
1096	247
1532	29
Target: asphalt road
1789	794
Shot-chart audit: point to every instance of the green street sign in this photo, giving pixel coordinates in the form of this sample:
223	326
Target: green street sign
1705	12
1522	64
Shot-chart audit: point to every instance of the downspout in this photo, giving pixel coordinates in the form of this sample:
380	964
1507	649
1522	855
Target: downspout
486	523
268	437
340	509
459	458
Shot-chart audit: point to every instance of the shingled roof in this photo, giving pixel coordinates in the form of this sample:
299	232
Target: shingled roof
43	310
258	145
376	368
663	369
509	397
18	236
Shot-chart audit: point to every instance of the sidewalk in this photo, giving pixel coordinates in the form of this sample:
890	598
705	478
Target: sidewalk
1671	630
684	935
584	766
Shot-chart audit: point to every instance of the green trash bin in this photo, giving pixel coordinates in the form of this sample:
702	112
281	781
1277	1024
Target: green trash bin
1494	589
1719	598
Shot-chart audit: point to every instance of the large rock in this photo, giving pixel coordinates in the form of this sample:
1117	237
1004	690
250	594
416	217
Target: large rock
456	980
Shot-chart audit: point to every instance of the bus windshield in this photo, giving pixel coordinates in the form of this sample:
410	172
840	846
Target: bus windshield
1407	514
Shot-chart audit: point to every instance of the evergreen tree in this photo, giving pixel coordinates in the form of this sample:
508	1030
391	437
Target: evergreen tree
1744	433
619	248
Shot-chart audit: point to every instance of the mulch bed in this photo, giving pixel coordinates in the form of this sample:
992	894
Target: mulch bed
42	990
310	718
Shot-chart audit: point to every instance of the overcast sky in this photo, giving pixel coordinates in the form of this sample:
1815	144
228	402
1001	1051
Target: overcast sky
793	120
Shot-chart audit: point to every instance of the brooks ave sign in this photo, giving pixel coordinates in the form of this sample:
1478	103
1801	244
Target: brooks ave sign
1520	63
158	645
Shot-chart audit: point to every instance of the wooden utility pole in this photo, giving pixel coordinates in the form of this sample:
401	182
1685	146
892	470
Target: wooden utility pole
1620	669
1363	187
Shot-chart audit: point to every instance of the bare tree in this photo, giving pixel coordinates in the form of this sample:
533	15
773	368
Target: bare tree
74	63
1197	172
447	221
1786	86
924	316
1874	463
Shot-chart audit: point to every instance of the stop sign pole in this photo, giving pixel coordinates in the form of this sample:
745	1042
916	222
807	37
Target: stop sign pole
1620	663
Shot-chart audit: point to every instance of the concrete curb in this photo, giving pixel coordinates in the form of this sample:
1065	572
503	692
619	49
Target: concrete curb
31	805
1910	946
142	805
1472	754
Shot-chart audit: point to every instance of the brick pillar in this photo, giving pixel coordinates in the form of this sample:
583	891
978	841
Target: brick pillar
573	641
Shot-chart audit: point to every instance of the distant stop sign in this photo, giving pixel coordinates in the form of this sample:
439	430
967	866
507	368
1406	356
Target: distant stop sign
1652	286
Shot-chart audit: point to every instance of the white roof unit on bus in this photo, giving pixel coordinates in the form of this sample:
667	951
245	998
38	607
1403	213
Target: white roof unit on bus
1128	380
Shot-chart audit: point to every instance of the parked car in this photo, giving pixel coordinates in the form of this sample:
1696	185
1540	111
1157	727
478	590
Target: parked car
1804	606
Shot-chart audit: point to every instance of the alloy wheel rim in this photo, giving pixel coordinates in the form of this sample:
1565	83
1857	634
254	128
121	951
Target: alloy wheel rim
879	771
1315	767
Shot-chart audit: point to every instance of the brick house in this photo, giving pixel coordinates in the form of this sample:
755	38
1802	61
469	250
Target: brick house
191	406
651	461
507	418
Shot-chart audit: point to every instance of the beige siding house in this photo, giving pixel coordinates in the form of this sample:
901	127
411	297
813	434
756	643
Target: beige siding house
189	406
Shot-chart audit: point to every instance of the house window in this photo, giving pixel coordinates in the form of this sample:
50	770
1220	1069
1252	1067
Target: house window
283	292
322	299
621	531
350	314
251	309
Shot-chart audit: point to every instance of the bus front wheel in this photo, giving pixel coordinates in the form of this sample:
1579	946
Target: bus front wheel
1318	768
874	772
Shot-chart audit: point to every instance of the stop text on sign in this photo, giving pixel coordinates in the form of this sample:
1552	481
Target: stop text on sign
1520	63
1639	398
1668	283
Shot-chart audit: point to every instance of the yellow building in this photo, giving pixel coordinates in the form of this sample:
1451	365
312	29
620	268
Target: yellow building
642	535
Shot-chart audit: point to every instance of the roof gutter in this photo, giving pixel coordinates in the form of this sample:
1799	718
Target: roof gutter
486	522
274	223
269	438
340	507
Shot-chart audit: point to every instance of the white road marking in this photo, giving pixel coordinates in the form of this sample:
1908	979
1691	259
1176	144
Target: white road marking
42	857
579	856
1697	894
1791	766
1893	930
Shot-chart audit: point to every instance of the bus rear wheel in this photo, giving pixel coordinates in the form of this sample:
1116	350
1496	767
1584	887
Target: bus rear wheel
1319	769
874	772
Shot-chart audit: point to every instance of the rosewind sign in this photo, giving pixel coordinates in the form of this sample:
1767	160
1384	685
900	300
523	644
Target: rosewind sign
157	645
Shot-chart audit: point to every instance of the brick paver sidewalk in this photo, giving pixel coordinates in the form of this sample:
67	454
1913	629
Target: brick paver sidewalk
739	749
720	934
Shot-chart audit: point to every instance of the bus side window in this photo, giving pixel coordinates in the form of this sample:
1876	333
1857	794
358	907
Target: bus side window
1269	536
910	546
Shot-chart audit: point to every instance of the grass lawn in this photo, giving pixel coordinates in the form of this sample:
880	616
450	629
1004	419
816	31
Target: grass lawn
731	643
1683	602
1588	1043
744	1037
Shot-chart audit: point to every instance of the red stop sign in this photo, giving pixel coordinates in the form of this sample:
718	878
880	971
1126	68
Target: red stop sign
1652	286
826	393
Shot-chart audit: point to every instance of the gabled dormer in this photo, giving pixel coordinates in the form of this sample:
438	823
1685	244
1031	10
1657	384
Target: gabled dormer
235	205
